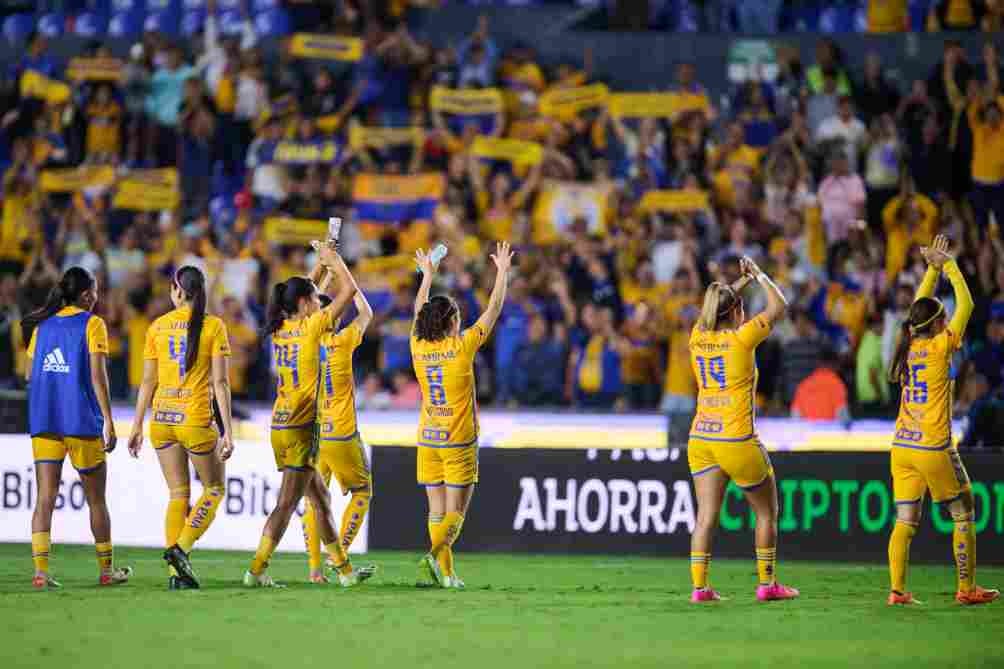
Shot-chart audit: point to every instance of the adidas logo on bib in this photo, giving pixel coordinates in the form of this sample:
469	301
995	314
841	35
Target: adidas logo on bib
55	362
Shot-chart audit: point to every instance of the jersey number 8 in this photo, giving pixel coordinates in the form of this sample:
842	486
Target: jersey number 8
437	394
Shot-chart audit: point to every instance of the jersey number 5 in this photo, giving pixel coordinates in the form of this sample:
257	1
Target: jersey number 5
713	367
437	394
176	349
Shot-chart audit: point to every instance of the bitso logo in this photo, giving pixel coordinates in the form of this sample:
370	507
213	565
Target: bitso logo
55	362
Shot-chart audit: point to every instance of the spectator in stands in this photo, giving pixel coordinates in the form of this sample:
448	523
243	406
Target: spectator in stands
888	16
870	383
539	365
394	326
829	63
802	354
875	95
984	421
953	63
842	197
407	393
265	179
10	331
894	316
510	334
952	15
163	104
371	395
596	368
882	166
909	220
477	58
823	104
930	160
988	360
845	130
985	120
822	395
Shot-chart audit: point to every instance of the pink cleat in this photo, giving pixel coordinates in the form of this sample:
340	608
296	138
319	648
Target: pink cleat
767	593
704	595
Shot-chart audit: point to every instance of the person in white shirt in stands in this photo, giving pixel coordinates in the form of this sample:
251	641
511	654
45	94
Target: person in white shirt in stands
266	179
844	126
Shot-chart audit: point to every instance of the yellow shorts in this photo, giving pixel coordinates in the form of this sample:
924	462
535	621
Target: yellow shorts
456	467
916	471
346	460
86	454
196	440
745	462
294	448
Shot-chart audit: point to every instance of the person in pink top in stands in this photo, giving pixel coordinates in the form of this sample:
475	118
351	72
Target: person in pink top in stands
841	197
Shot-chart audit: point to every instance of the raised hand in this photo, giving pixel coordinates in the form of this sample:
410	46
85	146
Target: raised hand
936	255
502	256
748	267
424	261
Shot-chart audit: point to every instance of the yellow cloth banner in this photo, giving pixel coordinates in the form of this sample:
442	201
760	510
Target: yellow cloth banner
361	136
514	151
565	103
94	69
75	179
472	102
675	200
148	190
561	203
297	231
37	85
656	105
326	47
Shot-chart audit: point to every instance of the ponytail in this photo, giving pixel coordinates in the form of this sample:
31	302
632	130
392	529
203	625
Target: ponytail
435	318
919	321
192	282
285	302
719	300
75	282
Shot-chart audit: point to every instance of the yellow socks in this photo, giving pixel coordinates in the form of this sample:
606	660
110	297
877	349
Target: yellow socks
899	554
445	533
174	520
104	554
766	560
40	545
310	536
201	517
352	518
699	565
964	545
339	557
445	556
261	556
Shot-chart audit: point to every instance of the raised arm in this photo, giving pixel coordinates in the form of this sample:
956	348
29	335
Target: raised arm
938	258
428	270
776	302
503	262
334	264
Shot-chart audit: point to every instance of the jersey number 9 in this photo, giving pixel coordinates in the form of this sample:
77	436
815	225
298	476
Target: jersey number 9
287	356
437	394
176	349
713	367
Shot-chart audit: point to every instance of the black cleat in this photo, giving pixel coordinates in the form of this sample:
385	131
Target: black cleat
175	583
179	560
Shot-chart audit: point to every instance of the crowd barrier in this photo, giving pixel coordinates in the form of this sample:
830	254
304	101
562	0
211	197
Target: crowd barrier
550	483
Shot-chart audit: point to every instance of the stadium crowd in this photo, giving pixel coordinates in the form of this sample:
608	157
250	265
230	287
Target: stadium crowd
827	177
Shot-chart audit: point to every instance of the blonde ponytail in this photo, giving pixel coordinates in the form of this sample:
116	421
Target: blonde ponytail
719	300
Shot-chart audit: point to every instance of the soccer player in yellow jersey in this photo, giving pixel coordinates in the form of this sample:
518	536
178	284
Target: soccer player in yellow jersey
923	456
723	442
297	323
185	375
443	358
70	413
341	453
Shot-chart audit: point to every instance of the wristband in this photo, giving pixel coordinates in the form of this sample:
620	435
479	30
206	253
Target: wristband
761	277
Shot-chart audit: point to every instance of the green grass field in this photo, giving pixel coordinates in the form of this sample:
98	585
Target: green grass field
517	611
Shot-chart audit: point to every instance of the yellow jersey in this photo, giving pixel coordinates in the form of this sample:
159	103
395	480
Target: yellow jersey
445	371
724	364
184	396
338	394
296	352
925	408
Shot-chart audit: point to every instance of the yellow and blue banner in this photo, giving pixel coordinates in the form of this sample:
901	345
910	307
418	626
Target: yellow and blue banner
561	203
294	231
74	179
369	137
326	47
383	199
148	190
566	103
292	152
36	85
656	105
479	107
675	201
515	151
94	69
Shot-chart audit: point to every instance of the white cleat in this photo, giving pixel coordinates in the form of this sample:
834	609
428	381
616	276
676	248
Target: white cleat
358	575
454	583
432	569
262	580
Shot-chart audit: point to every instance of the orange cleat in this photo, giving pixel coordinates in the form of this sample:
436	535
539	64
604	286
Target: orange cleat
902	599
977	595
45	582
319	579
